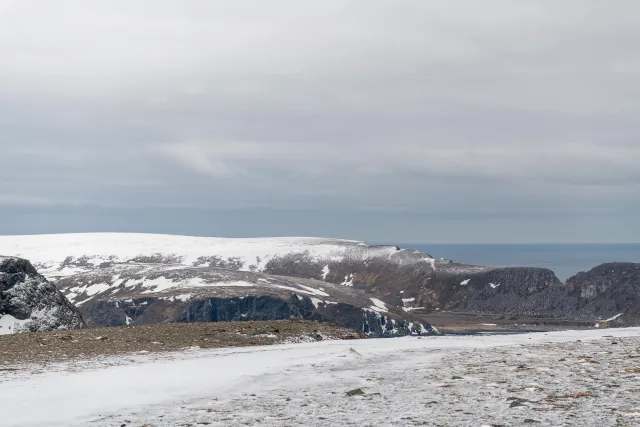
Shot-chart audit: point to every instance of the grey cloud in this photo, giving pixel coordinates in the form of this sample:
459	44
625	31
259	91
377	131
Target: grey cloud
450	109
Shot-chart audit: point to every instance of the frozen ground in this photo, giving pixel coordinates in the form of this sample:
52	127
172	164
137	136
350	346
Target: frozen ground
587	378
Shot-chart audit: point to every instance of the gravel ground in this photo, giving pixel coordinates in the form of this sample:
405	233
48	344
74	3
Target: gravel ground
594	383
585	378
54	347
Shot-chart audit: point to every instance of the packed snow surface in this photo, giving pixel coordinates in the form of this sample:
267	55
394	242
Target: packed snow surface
9	324
405	381
66	254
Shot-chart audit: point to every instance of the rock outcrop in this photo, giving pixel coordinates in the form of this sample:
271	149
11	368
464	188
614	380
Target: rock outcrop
179	278
608	294
126	295
609	291
28	302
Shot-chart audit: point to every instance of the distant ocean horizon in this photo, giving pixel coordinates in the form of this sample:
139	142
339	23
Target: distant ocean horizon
565	260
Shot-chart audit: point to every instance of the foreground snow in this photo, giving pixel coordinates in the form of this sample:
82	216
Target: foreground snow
9	324
406	381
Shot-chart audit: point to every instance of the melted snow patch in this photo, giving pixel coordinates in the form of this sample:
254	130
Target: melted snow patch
465	282
408	309
493	285
406	300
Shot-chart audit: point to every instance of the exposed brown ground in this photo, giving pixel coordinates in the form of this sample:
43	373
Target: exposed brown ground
51	347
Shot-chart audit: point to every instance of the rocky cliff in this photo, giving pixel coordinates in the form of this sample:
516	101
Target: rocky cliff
186	275
145	294
28	302
608	294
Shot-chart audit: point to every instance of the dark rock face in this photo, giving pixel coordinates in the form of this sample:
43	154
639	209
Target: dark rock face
252	308
516	291
124	279
30	299
124	295
406	278
608	290
602	293
382	276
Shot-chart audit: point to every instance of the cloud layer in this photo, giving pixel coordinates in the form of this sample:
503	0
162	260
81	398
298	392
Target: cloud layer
450	111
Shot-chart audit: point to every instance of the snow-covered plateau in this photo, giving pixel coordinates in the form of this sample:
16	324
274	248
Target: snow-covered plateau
59	255
121	279
124	279
587	378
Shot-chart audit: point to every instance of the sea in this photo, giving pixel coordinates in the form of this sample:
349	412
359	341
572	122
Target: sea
564	259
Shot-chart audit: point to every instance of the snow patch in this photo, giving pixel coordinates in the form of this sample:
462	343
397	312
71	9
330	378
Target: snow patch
614	317
378	305
9	324
325	272
348	280
314	291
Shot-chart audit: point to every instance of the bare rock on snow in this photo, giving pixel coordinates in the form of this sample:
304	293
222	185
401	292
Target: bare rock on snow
28	302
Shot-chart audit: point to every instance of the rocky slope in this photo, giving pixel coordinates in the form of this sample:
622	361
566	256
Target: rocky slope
28	302
608	294
147	294
19	352
234	279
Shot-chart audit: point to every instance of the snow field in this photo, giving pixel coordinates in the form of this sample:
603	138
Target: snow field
305	384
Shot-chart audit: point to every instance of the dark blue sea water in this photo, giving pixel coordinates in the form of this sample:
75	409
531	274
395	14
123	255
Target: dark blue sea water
564	259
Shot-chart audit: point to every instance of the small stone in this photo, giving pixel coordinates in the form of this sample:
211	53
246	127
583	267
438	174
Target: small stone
355	392
455	377
531	421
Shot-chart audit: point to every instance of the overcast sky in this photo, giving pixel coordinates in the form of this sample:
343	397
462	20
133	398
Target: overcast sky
399	121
